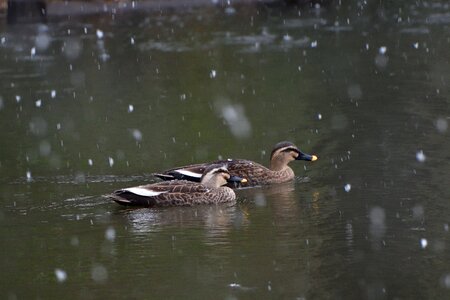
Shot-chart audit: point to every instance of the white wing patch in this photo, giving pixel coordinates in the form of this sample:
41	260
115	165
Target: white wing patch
143	192
189	173
123	200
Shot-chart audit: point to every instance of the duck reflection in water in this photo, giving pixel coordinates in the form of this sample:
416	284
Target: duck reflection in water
284	200
216	220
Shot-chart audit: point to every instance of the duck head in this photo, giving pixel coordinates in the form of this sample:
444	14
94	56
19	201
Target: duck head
285	152
216	176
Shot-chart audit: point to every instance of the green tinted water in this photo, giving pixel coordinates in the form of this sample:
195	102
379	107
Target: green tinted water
92	104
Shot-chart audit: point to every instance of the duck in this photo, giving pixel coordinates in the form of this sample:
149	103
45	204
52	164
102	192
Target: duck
210	190
256	174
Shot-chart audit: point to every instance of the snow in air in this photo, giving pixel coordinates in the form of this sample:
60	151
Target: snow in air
75	241
418	212
99	34
61	275
72	48
111	161
235	118
260	200
423	243
38	126
137	134
377	227
45	148
42	41
420	156
441	125
130	108
354	91
381	61
230	10
38	103
110	234
29	178
213	74
347	187
99	273
287	38
446	281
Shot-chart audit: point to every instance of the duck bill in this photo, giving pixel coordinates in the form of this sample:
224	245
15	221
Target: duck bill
237	179
307	157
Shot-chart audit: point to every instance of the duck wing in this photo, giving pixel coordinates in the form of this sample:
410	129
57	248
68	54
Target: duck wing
247	169
161	194
190	172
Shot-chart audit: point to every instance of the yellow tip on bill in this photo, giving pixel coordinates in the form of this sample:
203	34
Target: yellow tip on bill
314	158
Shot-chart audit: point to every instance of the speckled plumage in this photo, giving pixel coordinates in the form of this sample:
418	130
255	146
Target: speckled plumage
179	192
256	174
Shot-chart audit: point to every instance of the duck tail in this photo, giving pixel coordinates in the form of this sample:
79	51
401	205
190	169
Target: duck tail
126	198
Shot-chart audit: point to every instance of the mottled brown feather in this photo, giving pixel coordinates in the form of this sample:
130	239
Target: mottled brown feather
175	193
256	174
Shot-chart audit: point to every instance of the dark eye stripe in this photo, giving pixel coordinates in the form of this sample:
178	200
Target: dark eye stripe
290	149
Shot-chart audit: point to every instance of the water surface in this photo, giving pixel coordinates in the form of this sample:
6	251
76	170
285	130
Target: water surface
93	103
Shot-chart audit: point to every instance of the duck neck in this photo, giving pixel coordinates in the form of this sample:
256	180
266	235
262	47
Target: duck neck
212	183
278	164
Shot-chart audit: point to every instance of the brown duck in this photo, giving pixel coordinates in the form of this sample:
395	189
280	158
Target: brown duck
210	190
282	154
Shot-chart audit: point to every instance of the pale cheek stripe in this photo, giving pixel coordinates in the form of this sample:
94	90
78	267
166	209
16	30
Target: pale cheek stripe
189	173
143	192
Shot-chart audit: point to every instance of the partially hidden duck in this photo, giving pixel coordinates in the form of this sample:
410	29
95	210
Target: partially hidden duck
255	174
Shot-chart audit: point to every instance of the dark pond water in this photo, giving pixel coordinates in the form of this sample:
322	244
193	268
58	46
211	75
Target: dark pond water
92	103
